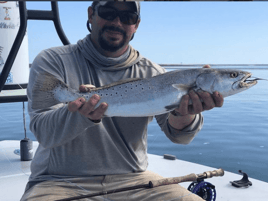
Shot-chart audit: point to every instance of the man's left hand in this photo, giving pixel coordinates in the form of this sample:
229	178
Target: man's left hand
209	102
201	101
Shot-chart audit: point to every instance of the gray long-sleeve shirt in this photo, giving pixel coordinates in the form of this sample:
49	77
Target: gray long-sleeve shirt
72	145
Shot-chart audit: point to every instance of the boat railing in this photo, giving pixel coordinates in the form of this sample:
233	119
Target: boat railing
25	15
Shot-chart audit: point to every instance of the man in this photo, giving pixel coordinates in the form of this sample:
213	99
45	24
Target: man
82	152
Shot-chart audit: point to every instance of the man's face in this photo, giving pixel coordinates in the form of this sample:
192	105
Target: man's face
112	35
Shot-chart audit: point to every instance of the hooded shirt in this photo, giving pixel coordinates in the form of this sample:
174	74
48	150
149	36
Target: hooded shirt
71	145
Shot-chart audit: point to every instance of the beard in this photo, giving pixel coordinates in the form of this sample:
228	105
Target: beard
110	46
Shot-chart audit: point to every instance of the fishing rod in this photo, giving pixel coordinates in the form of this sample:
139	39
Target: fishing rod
155	183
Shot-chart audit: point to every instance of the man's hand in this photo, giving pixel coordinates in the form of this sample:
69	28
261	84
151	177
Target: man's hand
187	112
87	108
209	101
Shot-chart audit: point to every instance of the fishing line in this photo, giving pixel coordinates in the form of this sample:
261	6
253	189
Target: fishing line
153	141
19	85
256	79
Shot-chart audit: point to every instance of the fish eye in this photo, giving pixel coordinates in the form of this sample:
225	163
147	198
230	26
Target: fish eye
234	75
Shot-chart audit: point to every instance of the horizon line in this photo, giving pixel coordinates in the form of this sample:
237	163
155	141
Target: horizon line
213	64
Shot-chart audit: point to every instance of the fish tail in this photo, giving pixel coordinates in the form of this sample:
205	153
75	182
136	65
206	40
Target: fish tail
44	89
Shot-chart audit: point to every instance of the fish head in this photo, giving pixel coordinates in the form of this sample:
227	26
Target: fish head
225	81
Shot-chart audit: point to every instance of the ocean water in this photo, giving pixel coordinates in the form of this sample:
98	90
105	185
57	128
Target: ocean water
233	137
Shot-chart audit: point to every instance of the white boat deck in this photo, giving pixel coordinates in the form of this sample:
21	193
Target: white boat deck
14	176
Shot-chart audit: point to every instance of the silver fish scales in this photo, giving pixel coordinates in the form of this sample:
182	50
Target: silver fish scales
145	97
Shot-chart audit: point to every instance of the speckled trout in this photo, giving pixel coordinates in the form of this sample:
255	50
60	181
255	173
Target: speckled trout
145	97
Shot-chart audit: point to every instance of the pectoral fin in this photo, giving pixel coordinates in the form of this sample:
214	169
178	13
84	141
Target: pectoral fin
182	87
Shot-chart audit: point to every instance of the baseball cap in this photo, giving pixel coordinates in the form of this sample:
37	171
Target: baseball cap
102	3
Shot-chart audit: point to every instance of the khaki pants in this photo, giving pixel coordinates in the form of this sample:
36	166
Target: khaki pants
65	188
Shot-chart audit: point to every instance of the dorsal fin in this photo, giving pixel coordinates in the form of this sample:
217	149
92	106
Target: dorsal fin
116	83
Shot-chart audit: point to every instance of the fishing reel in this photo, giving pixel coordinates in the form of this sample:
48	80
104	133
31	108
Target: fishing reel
203	189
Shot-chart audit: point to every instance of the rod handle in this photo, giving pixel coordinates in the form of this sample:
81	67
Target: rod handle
172	180
214	173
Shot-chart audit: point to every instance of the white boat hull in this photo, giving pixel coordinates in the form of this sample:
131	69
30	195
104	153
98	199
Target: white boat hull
14	175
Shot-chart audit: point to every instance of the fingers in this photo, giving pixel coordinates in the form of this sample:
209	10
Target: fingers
86	87
89	106
201	101
206	66
218	99
98	113
208	101
197	106
75	105
183	108
87	109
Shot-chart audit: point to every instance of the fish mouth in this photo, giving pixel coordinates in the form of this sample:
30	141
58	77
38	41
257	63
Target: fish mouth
247	81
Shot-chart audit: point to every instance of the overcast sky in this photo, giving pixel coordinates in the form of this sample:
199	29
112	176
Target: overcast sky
174	32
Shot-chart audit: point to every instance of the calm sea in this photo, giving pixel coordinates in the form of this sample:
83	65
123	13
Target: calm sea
234	137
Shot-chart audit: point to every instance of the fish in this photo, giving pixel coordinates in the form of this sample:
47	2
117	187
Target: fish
141	97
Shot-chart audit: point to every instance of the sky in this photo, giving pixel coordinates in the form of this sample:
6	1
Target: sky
173	32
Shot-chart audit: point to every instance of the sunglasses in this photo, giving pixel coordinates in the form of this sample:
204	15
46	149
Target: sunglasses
126	17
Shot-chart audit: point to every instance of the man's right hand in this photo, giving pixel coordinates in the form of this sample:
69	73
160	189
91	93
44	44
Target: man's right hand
87	108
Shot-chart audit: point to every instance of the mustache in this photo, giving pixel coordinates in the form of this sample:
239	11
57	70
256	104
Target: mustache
113	28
